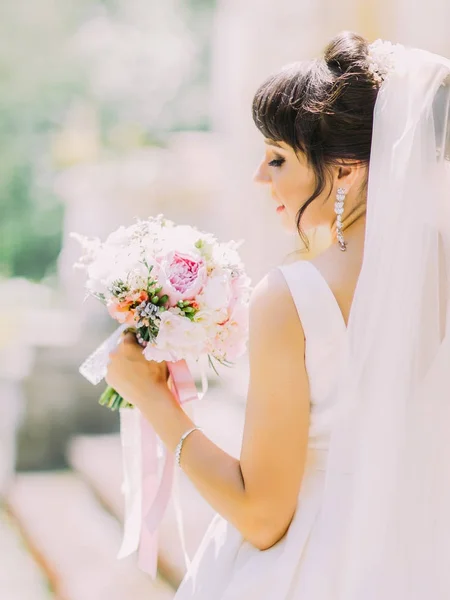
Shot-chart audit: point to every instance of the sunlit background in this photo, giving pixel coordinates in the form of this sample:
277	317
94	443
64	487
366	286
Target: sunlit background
110	110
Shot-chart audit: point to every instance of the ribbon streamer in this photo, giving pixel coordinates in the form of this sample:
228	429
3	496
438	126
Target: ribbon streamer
147	479
148	492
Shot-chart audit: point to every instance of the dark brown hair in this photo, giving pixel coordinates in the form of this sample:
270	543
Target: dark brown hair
322	108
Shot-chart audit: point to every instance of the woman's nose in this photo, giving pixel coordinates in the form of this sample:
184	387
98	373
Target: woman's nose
261	174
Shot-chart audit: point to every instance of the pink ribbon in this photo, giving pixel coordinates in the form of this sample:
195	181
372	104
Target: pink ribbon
155	491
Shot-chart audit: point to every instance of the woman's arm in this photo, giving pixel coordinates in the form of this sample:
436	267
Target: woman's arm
258	493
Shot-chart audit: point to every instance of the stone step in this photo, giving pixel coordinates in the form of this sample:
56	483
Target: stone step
98	460
20	576
76	540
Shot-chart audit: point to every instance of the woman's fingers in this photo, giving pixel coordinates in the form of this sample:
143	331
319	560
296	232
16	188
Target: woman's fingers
129	338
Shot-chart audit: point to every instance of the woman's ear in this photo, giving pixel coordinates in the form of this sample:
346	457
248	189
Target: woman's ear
348	174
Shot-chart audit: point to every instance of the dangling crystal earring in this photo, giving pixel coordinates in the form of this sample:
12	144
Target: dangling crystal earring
339	209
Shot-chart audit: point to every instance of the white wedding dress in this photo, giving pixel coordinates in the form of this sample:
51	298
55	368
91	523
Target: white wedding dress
226	566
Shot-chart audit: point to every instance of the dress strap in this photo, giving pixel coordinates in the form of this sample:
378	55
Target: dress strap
316	304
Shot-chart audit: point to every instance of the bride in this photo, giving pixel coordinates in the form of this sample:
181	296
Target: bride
342	488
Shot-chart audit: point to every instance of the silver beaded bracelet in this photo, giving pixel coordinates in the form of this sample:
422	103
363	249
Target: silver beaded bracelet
180	444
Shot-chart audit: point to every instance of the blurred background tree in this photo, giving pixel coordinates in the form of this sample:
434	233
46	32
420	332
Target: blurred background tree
81	80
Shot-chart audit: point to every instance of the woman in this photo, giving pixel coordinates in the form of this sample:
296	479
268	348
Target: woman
342	489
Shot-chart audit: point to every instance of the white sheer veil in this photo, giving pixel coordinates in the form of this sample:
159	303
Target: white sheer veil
386	509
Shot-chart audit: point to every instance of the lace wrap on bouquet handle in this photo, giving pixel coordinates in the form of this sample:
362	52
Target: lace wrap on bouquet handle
385	519
95	366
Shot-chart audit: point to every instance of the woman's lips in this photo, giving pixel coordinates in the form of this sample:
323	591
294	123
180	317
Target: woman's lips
280	207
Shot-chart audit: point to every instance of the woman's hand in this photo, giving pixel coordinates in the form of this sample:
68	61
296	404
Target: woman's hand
132	376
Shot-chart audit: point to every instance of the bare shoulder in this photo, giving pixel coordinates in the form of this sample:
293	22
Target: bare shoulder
276	427
272	305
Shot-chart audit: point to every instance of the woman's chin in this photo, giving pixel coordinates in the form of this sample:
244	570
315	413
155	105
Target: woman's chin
287	221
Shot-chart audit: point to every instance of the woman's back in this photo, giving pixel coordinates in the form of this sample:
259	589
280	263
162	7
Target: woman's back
341	269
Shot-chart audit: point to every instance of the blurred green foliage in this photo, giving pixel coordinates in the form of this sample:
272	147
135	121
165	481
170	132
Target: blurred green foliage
35	89
43	75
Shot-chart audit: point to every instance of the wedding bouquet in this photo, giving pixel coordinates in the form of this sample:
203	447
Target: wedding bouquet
183	293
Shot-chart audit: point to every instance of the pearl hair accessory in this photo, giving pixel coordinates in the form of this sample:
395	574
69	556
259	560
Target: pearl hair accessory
339	210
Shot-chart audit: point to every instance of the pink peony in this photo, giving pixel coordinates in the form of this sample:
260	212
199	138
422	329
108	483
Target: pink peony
182	277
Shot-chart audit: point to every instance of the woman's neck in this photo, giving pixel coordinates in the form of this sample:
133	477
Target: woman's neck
355	222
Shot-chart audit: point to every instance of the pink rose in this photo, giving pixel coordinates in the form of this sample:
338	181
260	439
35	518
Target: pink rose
182	277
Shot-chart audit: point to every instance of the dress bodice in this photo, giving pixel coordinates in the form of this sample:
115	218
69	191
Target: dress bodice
325	335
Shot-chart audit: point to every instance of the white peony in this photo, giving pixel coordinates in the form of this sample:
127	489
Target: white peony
180	334
226	255
217	292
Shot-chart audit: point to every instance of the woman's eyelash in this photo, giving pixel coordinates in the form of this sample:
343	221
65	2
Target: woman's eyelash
276	162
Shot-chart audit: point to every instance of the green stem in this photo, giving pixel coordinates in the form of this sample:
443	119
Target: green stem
112	400
105	398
